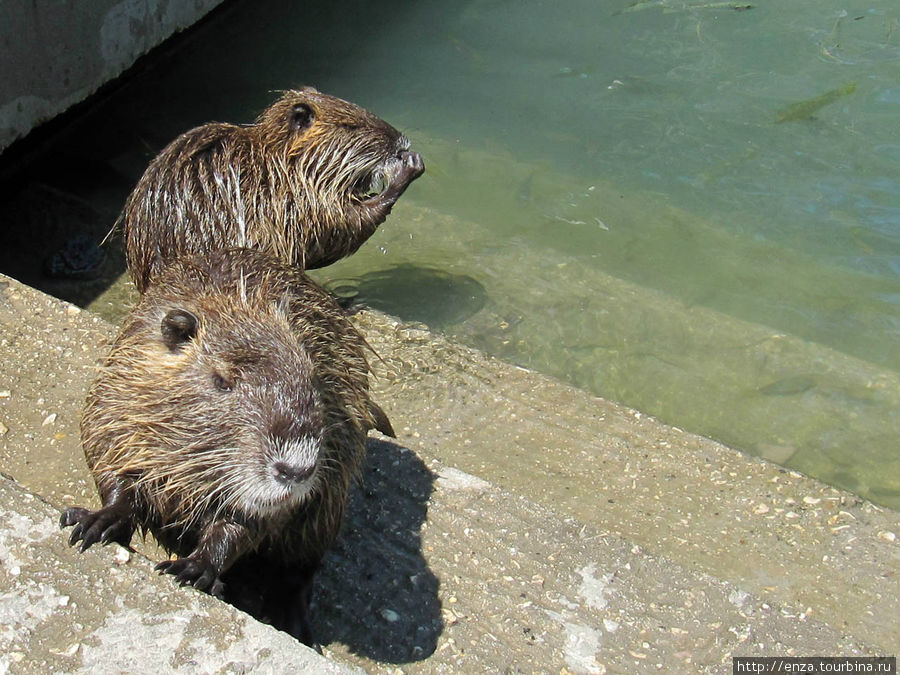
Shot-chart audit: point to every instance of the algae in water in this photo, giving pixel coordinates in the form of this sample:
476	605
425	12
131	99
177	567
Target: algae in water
804	110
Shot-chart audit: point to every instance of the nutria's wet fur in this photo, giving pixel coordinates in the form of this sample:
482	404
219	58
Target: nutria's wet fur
229	419
308	182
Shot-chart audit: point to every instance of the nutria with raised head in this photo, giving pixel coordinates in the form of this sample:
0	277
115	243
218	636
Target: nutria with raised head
229	419
308	182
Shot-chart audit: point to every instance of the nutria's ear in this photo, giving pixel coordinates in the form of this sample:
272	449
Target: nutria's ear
178	327
302	116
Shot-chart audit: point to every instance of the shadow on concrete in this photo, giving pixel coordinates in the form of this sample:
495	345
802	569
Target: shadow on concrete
375	593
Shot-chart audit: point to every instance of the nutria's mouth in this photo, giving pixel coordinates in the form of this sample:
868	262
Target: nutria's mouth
388	180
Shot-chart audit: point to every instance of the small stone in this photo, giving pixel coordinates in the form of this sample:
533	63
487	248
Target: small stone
5	393
73	310
70	651
887	536
811	500
389	615
760	509
122	556
3	429
738	597
49	419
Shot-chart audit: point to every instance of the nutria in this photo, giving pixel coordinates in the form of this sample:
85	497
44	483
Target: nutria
229	419
308	182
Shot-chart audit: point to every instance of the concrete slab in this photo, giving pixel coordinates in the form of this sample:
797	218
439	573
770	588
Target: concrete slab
521	589
106	612
57	54
678	554
786	538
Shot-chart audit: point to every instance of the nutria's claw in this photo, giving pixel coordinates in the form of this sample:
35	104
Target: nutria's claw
72	515
105	525
402	169
193	572
413	164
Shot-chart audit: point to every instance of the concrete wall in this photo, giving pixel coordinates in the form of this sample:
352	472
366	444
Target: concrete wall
54	53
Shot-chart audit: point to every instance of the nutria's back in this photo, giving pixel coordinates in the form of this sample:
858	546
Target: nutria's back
308	182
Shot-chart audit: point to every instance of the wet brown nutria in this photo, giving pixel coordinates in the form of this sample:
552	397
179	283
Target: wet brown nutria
229	419
308	182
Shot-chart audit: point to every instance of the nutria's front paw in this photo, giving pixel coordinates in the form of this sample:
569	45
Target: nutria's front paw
193	571
413	164
108	524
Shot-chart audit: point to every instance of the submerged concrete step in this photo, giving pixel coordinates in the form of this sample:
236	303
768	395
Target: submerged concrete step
667	551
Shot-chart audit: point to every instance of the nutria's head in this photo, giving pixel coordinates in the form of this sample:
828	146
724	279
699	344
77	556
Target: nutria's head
340	149
350	165
237	387
249	393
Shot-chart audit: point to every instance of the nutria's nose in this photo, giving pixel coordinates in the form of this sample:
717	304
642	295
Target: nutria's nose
287	473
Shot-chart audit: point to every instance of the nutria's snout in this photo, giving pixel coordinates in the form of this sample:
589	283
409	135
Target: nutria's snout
289	478
291	475
293	463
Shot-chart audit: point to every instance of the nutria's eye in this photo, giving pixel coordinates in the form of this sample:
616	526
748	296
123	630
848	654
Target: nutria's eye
222	383
301	117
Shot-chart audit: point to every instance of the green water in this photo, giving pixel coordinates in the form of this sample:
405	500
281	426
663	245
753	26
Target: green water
689	207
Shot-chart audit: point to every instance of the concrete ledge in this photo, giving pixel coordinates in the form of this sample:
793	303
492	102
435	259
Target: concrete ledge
790	540
668	552
106	611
